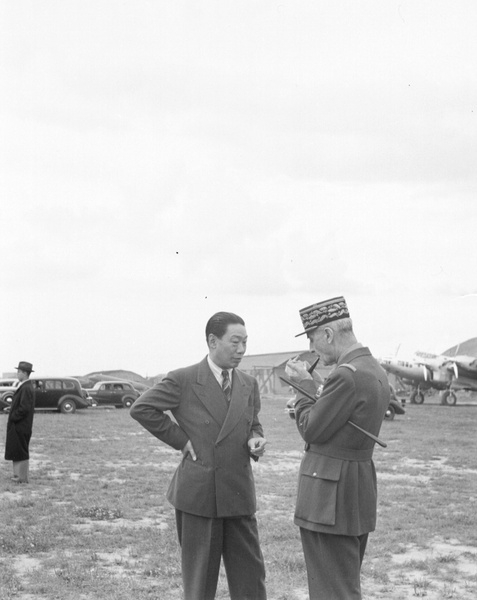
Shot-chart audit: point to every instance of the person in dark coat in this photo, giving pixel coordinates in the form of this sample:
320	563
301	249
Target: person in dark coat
216	427
337	491
20	424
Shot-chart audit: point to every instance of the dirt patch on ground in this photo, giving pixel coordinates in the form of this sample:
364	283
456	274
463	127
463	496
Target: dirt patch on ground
24	563
443	569
437	462
91	524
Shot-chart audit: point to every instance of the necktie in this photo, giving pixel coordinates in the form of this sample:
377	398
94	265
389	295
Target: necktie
226	387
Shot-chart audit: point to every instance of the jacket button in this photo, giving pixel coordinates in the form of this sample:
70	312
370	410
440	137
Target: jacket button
314	474
207	422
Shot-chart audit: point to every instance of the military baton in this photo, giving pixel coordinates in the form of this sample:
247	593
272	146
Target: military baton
308	395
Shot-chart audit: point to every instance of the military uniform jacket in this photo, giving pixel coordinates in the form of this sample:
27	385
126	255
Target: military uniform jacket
220	483
337	491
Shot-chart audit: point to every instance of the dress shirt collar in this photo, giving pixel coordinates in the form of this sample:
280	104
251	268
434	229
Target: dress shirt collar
217	371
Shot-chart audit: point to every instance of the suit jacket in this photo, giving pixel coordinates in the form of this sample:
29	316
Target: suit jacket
220	483
337	491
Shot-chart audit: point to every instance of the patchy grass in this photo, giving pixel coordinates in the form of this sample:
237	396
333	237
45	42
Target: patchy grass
94	522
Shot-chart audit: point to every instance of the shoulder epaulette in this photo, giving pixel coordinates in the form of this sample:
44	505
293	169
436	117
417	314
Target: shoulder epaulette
350	367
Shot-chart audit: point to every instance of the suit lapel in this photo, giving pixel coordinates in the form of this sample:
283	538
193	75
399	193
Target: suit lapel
209	393
240	394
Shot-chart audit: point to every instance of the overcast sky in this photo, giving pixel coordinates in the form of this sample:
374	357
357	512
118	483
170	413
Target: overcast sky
163	160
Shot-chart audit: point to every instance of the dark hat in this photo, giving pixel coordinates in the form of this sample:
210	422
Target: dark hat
322	313
25	366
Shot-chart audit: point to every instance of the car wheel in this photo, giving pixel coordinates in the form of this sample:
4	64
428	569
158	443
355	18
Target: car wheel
8	398
67	406
128	402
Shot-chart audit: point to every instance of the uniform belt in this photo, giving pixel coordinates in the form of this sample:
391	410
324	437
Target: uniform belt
341	453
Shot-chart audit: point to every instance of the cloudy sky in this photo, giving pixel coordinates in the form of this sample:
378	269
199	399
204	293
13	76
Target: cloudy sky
163	160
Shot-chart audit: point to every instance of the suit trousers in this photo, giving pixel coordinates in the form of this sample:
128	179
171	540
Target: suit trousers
333	564
204	541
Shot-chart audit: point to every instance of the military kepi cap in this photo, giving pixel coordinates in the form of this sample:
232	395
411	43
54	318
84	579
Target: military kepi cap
322	313
24	366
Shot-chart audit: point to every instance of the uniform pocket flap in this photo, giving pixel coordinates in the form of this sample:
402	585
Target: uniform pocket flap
321	467
317	489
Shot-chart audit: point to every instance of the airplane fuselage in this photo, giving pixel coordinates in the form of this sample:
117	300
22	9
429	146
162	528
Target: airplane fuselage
437	372
403	369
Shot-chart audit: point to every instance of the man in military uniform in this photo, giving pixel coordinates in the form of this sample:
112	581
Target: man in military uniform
337	492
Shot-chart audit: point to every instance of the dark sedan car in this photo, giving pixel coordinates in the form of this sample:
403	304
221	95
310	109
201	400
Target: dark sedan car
7	388
63	394
113	393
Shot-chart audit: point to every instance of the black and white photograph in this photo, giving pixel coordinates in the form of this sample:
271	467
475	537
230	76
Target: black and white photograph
239	300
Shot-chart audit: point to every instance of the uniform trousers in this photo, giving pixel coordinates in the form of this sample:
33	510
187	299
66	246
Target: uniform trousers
204	541
333	564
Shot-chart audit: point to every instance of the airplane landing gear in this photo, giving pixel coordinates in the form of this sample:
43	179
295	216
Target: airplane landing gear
448	398
417	397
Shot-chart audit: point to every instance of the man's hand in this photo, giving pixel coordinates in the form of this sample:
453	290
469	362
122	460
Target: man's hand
297	370
257	445
189	449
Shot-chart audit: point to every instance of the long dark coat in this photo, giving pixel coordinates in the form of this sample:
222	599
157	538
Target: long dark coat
220	483
20	423
337	489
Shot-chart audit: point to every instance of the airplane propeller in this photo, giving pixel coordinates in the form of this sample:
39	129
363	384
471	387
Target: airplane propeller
453	368
427	373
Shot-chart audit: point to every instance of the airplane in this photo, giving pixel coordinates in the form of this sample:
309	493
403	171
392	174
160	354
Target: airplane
434	371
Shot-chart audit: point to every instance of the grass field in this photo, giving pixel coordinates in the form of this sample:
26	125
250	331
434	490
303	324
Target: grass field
94	523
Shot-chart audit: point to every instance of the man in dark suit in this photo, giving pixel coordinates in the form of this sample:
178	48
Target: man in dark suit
217	429
337	493
20	424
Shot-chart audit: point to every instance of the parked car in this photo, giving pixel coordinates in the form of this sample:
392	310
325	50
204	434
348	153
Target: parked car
395	406
7	388
113	393
8	383
64	394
